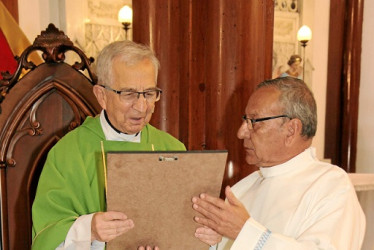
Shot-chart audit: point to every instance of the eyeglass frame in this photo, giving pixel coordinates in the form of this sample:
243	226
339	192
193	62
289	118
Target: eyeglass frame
138	92
253	121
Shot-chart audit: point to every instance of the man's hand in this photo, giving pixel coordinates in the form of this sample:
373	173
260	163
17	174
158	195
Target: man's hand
106	226
148	248
226	218
208	235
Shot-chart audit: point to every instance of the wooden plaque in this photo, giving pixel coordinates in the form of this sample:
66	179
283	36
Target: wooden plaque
155	189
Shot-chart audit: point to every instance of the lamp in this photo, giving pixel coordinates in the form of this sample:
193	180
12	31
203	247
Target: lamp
125	17
303	36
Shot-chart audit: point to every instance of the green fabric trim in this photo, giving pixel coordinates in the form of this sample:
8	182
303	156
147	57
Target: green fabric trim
72	180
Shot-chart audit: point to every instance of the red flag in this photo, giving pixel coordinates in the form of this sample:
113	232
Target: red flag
7	61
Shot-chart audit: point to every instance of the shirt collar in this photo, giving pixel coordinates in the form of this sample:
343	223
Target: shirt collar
113	134
295	164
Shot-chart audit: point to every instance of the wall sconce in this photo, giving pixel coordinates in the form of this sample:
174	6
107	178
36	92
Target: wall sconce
303	36
125	17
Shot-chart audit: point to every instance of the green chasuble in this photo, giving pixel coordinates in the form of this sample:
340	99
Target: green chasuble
72	181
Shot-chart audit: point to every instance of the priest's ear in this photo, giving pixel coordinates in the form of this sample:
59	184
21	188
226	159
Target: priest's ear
294	129
100	94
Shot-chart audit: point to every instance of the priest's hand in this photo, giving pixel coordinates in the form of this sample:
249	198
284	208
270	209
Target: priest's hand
148	248
226	218
106	226
208	235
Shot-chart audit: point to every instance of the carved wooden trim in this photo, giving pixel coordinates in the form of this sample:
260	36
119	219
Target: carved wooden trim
53	44
33	129
31	186
4	209
10	135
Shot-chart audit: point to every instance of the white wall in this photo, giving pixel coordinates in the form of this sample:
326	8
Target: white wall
89	24
316	14
365	142
319	77
42	12
67	15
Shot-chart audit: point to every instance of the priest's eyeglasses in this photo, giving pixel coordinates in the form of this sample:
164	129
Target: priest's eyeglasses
250	121
151	95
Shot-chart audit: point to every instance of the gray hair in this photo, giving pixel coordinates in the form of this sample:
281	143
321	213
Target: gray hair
126	51
298	102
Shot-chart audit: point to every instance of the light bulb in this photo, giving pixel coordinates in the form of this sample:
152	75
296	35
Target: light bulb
125	14
304	34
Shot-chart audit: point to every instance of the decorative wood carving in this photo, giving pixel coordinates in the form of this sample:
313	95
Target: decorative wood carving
53	44
37	110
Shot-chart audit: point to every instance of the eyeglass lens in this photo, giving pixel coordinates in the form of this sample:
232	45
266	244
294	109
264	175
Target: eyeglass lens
131	96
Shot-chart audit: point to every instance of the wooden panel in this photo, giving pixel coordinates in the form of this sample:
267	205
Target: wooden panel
212	55
352	70
343	82
334	79
154	19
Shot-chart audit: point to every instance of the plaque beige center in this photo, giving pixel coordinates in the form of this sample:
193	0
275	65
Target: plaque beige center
155	189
